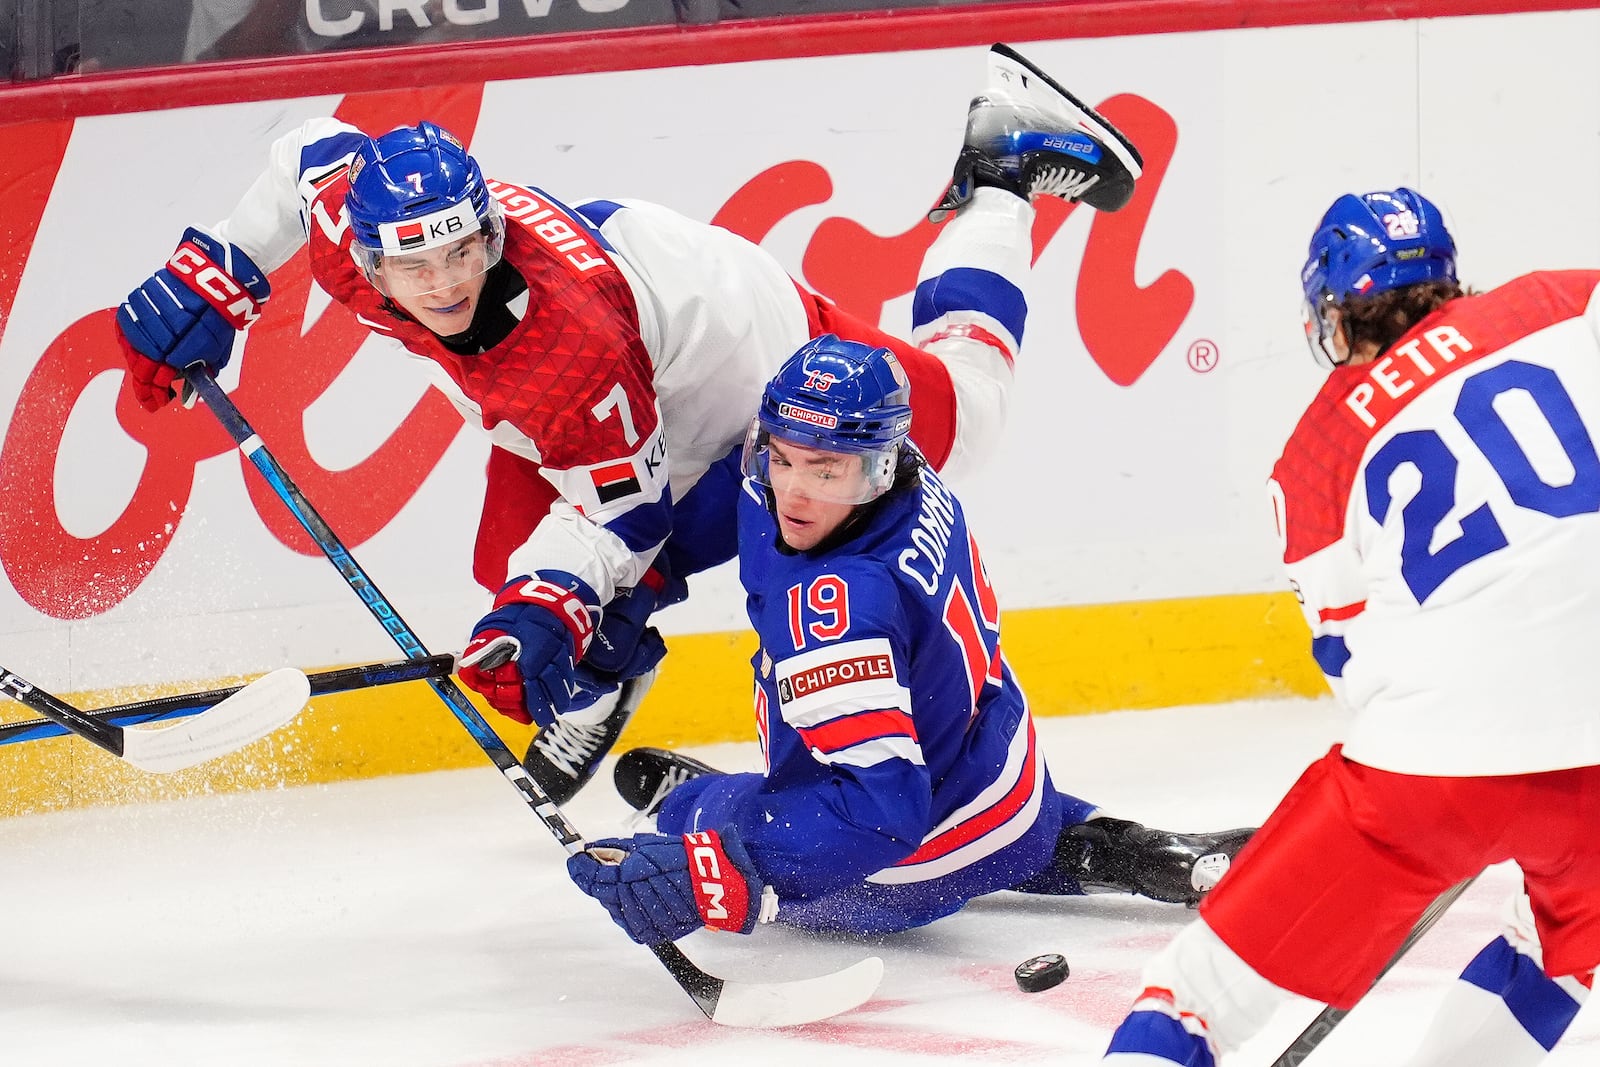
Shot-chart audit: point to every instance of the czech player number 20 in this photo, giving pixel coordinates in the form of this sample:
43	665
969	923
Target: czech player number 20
1425	568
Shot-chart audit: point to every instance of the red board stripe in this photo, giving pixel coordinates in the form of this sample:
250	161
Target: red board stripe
733	41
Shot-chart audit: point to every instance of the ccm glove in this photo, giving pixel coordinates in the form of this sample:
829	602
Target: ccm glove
660	888
188	312
523	656
624	645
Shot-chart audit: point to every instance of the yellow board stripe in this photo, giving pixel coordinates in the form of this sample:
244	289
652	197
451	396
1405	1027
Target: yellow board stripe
1070	661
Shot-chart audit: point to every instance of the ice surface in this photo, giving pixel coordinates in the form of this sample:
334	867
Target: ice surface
426	921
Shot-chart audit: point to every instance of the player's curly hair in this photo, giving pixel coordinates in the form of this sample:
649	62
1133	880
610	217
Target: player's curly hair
1384	318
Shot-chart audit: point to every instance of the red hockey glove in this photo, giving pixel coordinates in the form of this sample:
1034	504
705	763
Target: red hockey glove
524	654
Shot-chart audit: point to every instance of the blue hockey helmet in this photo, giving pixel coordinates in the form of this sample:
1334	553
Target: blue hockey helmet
1367	245
415	189
835	396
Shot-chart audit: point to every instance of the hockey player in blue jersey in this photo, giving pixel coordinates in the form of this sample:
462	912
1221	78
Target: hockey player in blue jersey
902	774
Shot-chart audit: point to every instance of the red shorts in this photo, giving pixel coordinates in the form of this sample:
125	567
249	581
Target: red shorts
1323	895
516	497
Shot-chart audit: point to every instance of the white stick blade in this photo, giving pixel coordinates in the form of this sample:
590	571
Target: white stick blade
248	715
808	1000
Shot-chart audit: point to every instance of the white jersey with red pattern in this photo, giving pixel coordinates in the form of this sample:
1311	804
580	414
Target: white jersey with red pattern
644	342
1440	516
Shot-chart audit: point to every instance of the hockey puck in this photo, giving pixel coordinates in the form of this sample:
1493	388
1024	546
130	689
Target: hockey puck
1041	972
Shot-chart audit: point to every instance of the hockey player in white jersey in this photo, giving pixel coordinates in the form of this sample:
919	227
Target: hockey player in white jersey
1439	510
611	351
902	774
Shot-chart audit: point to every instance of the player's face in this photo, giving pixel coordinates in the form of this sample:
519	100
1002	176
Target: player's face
440	287
808	487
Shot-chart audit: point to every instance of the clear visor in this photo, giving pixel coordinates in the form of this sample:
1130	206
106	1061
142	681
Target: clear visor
791	468
433	270
1321	322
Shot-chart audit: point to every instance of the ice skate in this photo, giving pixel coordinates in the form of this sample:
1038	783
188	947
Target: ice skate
644	776
1124	856
1029	136
565	755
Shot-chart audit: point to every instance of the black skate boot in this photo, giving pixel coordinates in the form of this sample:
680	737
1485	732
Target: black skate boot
645	776
565	755
1125	856
1029	136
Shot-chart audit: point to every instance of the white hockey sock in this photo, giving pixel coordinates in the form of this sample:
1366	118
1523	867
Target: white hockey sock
1503	1011
969	312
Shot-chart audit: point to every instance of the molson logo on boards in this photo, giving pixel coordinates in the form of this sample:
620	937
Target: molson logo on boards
1124	326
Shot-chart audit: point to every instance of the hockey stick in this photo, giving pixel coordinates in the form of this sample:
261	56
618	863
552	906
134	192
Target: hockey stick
251	713
1330	1017
756	1004
182	704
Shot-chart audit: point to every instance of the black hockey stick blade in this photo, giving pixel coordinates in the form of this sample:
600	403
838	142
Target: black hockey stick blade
181	704
1330	1017
248	715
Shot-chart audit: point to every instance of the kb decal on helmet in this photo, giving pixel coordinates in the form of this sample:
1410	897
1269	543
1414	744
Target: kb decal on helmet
1366	245
838	397
421	218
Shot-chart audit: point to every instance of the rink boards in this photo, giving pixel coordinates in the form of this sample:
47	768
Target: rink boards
1124	523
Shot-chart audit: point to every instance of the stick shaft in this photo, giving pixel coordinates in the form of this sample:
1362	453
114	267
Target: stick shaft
1330	1017
342	680
104	734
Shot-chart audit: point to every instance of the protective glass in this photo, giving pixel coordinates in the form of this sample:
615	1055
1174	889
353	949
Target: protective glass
418	274
817	474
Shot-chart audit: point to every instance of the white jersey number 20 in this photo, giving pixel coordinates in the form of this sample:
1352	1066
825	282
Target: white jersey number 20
1424	569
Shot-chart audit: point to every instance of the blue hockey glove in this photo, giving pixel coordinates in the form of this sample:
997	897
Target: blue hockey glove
593	683
188	312
523	656
660	888
622	627
625	645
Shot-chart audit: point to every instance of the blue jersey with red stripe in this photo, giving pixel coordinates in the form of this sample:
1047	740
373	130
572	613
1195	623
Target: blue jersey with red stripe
899	749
